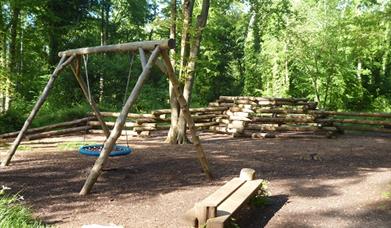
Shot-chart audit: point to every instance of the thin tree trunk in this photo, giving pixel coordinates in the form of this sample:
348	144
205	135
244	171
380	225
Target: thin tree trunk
173	132
191	66
386	55
187	10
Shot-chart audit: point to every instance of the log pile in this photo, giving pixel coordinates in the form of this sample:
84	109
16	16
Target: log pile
144	124
261	117
256	117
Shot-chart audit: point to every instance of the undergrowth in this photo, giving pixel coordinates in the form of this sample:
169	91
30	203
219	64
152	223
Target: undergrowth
13	213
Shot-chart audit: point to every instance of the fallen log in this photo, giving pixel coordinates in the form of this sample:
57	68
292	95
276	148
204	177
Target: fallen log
50	127
364	114
280	120
362	128
369	122
127	124
231	98
262	127
123	133
192	110
130	115
259	135
281	111
57	132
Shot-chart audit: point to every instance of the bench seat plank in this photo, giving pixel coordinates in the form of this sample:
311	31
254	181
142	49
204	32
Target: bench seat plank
225	191
231	204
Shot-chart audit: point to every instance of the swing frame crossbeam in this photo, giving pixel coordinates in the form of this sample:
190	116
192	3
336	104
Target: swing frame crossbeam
73	58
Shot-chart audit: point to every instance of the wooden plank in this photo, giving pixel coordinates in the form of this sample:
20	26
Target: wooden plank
132	46
214	199
225	191
230	205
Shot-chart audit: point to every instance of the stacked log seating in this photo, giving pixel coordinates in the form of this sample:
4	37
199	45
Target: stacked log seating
216	210
144	124
261	117
256	117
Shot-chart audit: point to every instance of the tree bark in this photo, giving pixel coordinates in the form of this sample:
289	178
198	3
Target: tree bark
187	10
191	66
173	132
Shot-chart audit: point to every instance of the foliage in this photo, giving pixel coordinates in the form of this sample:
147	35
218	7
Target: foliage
336	52
262	196
13	213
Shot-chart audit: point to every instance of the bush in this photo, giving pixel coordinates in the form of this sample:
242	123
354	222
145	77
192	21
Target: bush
11	121
381	104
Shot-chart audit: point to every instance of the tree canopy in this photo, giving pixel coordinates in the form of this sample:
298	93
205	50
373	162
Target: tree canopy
336	52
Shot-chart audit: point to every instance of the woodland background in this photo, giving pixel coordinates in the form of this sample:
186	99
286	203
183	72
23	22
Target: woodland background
335	52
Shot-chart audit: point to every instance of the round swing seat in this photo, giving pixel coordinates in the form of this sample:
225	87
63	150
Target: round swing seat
94	150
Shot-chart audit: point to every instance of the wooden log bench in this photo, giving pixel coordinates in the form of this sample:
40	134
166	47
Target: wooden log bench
216	210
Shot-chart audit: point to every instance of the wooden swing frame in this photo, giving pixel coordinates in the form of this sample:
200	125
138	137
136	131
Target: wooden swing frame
73	58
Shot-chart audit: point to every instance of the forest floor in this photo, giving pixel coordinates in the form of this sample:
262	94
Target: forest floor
153	187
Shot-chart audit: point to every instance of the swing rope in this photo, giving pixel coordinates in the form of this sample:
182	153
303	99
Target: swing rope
85	60
118	150
126	91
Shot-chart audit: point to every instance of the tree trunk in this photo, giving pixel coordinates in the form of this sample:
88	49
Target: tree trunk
187	10
190	69
173	132
104	36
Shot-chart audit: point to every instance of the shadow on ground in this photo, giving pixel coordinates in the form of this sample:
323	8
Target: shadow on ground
50	180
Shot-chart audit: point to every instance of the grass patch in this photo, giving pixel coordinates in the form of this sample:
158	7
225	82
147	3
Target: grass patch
24	148
73	145
13	213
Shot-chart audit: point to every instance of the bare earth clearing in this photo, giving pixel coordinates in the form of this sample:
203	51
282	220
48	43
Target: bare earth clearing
157	183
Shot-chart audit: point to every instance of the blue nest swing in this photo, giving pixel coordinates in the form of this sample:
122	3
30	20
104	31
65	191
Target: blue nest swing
94	150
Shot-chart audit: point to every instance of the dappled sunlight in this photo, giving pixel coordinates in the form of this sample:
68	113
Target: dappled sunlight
156	173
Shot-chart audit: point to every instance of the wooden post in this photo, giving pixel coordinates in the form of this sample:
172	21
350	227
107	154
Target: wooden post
185	109
91	101
119	124
63	62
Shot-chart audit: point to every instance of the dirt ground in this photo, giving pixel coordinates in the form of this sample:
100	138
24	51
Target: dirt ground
154	186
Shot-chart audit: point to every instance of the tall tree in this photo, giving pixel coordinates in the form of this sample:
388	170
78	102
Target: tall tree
190	46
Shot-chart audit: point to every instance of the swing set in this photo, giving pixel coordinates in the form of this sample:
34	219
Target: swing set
73	58
94	150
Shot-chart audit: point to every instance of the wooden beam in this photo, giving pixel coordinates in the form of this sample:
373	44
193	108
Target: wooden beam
50	127
185	109
76	72
133	46
119	124
63	62
57	132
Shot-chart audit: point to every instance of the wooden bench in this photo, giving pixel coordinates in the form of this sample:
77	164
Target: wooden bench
215	210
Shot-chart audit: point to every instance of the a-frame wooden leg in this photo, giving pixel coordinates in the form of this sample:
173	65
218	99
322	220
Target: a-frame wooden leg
91	101
119	124
63	62
185	109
